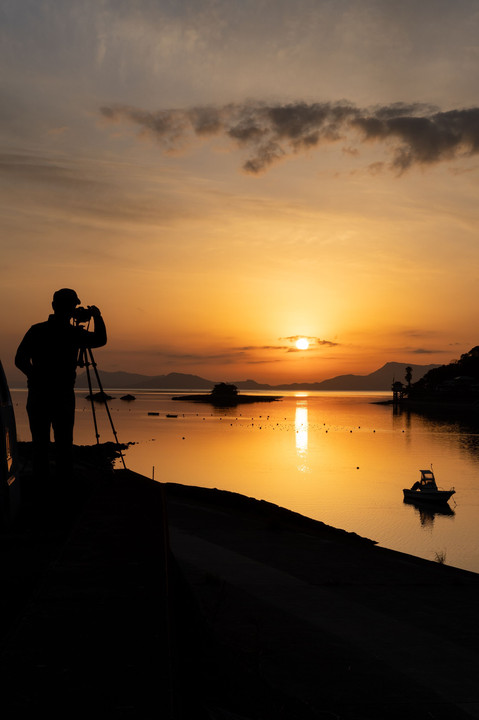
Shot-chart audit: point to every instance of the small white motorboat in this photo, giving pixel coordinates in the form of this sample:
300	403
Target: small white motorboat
426	490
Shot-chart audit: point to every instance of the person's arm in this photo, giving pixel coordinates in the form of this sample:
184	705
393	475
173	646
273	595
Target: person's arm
96	337
23	359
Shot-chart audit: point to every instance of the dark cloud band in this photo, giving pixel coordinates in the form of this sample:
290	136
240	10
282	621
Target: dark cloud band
413	133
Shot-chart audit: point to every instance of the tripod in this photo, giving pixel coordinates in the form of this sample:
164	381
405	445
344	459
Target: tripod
86	360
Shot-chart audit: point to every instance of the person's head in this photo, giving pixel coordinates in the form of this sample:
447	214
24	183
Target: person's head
64	302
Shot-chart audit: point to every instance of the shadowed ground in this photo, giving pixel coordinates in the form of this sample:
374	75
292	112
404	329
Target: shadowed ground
136	599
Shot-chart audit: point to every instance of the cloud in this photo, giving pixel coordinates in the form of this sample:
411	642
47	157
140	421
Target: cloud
312	341
85	190
43	170
226	355
418	333
412	134
426	351
247	348
245	354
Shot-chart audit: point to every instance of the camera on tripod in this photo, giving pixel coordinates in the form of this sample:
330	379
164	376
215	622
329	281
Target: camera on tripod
82	315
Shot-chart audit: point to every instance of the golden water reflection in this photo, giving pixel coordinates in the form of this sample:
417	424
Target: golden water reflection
301	428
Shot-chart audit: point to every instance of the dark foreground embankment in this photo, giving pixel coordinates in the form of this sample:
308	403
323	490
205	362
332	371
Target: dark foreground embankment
233	608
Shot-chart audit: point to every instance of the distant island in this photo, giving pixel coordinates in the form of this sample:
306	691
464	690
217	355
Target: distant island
226	395
379	380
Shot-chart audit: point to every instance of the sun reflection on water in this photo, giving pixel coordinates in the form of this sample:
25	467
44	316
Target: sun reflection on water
301	428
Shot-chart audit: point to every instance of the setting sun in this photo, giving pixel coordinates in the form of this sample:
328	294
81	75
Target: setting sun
302	343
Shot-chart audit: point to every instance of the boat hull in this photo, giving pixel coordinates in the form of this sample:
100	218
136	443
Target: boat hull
429	496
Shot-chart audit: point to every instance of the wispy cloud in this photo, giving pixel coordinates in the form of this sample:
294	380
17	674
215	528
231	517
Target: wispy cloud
412	134
244	354
418	333
312	340
262	347
426	351
88	190
291	339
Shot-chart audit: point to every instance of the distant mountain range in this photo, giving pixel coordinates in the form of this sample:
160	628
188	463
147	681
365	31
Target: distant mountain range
381	379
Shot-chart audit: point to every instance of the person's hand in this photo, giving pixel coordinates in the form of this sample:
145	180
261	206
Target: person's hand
95	312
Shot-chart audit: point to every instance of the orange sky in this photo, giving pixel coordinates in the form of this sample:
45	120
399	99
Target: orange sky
195	170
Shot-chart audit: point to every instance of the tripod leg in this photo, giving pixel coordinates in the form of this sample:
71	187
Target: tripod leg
87	368
93	363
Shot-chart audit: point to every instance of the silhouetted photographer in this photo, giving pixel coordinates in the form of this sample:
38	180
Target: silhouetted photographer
48	355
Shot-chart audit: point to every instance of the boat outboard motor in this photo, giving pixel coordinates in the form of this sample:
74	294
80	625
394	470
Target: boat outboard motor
9	483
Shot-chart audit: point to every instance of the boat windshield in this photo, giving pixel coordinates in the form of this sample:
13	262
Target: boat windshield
427	479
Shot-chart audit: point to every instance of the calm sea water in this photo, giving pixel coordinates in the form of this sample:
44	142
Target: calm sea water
336	457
